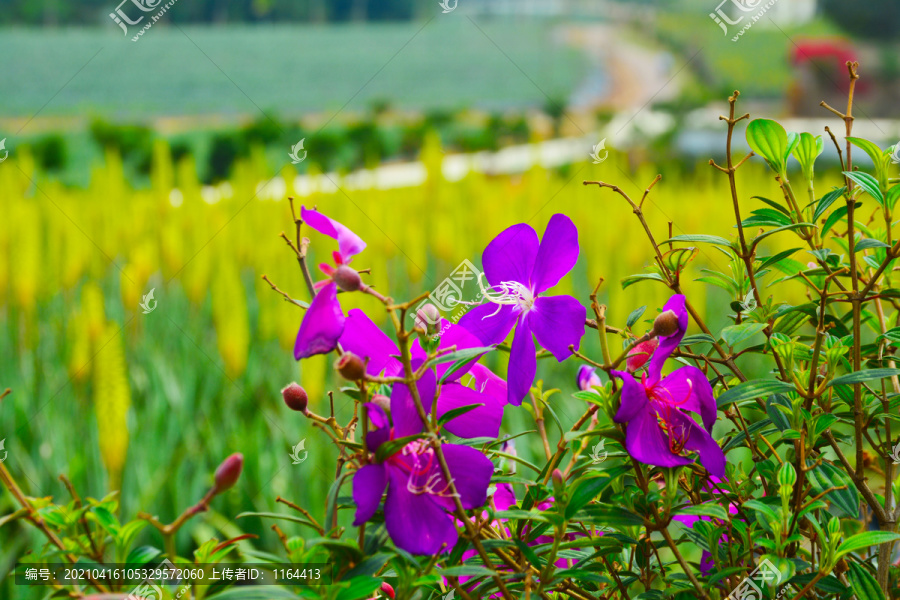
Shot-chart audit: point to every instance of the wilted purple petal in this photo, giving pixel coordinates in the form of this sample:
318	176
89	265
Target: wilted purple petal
349	243
322	325
490	322
510	256
557	255
403	408
690	390
483	421
415	522
365	339
522	365
633	398
647	443
557	322
668	343
368	486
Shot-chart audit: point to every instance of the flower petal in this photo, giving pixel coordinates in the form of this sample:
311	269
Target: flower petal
690	390
322	325
668	343
490	322
510	256
488	383
453	335
483	421
557	322
471	471
700	441
633	399
403	407
368	486
557	255
415	522
587	378
365	339
504	497
522	365
349	243
381	432
646	442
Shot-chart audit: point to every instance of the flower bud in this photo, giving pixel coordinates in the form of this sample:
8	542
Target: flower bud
834	527
351	367
787	475
429	318
347	279
666	324
587	378
295	397
382	401
228	472
559	482
387	590
640	355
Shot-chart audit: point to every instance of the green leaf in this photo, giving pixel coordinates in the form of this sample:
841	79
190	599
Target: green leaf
763	236
865	375
588	489
870	148
709	239
707	509
143	555
868	183
761	507
839	213
755	388
634	316
736	334
632	279
456	412
867	243
360	587
826	201
826	476
771	260
806	152
460	358
769	140
892	335
773	204
863	583
271	515
700	338
866	539
267	592
466	571
392	447
893	194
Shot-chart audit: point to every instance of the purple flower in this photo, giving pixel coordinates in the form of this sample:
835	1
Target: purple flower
659	430
588	378
323	322
419	497
707	564
519	268
362	337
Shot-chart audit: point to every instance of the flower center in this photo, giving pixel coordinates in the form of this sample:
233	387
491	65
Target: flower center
424	474
511	293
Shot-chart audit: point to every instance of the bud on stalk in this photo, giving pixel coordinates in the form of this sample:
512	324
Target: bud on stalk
351	367
228	473
295	397
347	279
666	324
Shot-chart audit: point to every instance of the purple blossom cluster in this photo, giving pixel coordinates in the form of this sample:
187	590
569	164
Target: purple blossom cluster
423	480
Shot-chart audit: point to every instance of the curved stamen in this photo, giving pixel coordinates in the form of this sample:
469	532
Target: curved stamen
423	467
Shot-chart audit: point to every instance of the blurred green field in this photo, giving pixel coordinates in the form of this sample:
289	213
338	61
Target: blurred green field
447	61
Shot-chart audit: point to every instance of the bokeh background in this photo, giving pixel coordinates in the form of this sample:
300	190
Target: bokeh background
163	164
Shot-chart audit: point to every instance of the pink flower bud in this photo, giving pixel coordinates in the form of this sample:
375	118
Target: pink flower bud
387	590
640	355
383	401
295	397
351	367
229	472
429	318
559	482
347	279
666	324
